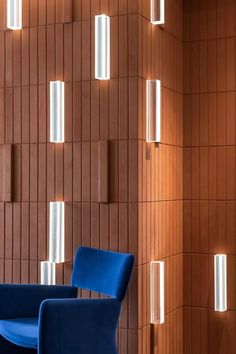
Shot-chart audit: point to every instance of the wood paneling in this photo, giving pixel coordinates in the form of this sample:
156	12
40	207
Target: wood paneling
159	189
103	172
120	193
209	171
57	43
67	11
6	173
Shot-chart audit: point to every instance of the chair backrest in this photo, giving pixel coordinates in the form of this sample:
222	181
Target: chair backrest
101	271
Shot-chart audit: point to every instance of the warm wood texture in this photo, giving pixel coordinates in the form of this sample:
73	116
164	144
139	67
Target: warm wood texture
67	10
103	172
6	173
51	47
160	180
145	210
209	171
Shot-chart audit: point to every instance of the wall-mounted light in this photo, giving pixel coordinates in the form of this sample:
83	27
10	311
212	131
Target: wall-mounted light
57	119
57	232
220	275
102	47
48	273
153	111
14	14
157	12
157	305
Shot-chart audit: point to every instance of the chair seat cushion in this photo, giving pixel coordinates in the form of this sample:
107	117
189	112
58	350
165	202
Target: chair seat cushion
20	331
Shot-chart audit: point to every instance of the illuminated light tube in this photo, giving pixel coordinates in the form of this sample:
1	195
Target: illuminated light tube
48	273
57	112
153	111
57	232
102	47
157	12
157	293
220	275
14	14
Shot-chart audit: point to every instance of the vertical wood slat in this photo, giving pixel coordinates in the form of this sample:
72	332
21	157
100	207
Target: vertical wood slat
158	189
67	11
209	212
46	50
7	173
103	172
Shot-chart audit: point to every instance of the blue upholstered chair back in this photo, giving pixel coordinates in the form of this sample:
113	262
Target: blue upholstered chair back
104	272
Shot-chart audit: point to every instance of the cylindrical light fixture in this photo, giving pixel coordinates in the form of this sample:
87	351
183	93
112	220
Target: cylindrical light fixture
48	273
57	232
153	111
220	275
157	12
102	47
14	14
157	293
57	114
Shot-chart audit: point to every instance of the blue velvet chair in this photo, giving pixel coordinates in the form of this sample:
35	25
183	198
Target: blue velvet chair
52	320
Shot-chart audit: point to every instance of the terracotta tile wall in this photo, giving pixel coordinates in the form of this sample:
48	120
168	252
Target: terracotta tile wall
51	47
144	214
160	206
209	171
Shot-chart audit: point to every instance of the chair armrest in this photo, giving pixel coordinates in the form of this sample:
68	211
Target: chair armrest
78	326
25	300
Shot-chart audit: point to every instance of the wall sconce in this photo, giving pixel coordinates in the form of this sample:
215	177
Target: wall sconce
14	14
48	273
220	275
157	12
153	111
57	232
102	47
157	305
57	119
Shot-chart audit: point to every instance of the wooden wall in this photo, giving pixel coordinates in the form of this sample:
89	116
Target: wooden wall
51	47
160	183
144	213
209	171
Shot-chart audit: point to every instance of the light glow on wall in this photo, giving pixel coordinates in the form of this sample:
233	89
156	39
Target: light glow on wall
220	275
14	14
153	111
57	112
57	232
157	292
48	273
102	47
157	12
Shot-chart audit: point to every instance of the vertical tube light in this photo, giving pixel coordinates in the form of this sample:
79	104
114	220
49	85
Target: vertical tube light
153	111
14	14
157	305
220	275
57	112
102	47
57	232
48	273
157	12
